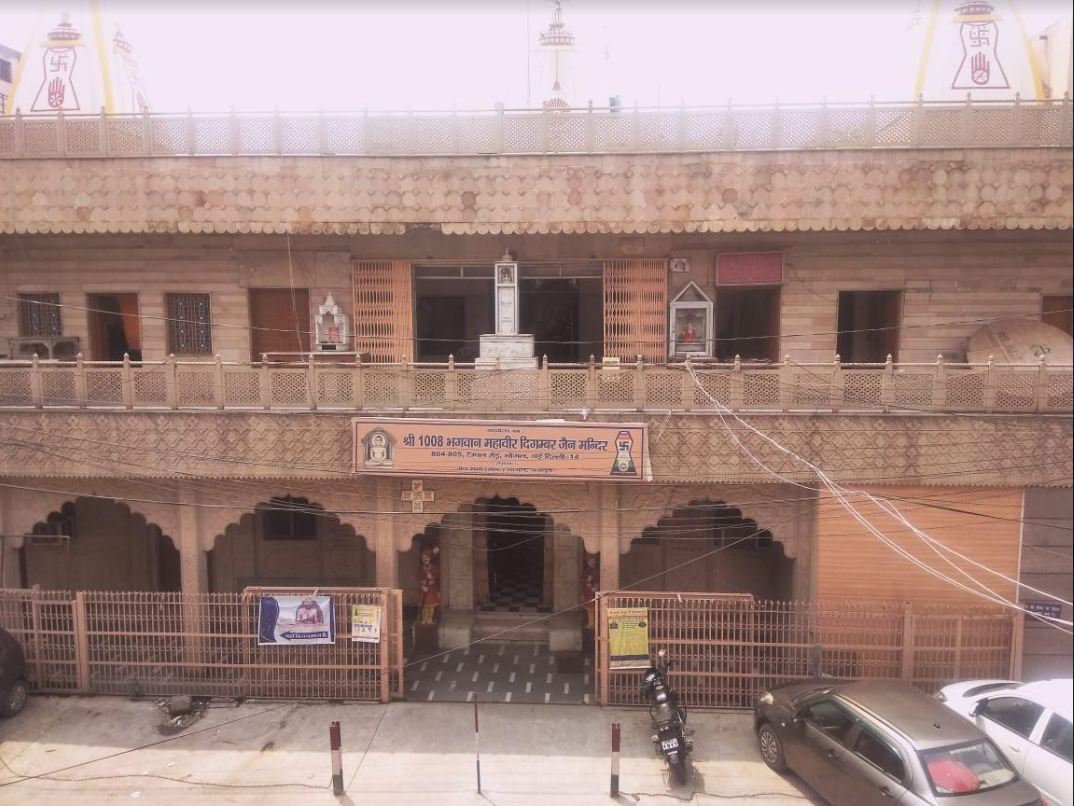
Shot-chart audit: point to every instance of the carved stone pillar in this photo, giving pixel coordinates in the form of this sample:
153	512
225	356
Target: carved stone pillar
10	576
608	518
386	525
568	566
459	560
193	559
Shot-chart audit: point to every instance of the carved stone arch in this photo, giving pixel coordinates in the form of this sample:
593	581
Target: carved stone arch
574	506
25	512
777	509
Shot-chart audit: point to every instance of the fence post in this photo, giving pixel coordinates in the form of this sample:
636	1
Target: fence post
218	383
786	384
233	129
887	384
777	126
838	386
989	386
20	139
36	394
171	382
358	389
191	135
81	642
265	384
590	130
917	122
1016	121
907	642
1063	129
80	381
1042	387
312	389
966	122
688	386
35	623
147	133
127	382
406	384
738	386
277	132
544	384
639	384
939	385
870	123
591	384
1018	626
451	384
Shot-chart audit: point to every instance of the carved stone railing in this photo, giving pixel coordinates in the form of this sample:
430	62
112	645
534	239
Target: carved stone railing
970	124
787	387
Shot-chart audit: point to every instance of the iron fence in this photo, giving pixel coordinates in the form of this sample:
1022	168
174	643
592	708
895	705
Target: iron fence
142	643
933	124
728	649
453	387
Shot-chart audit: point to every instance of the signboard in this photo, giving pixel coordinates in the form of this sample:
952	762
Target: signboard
628	637
365	624
502	449
749	268
1046	609
295	620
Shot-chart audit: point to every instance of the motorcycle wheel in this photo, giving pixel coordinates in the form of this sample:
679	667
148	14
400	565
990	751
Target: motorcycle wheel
678	772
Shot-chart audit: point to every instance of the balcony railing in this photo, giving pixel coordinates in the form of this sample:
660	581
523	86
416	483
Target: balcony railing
969	124
464	388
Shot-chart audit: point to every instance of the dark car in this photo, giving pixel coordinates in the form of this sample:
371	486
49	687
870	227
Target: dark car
13	688
882	743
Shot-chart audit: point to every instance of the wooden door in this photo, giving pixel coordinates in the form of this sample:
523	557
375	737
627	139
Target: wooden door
279	321
635	309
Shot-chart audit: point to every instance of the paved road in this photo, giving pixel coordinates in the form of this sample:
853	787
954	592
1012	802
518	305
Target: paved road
109	750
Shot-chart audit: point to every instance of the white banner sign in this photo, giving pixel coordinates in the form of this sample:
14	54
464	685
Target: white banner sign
365	624
296	620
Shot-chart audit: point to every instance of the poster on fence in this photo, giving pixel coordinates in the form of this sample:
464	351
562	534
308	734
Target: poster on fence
295	620
365	624
628	637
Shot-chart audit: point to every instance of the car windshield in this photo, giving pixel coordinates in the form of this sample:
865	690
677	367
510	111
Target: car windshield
966	768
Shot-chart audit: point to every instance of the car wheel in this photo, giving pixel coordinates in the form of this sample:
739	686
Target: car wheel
771	749
14	699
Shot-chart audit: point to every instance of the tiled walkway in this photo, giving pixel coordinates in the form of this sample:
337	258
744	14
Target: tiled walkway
504	672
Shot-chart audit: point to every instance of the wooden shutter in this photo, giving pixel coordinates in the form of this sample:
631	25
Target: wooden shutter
635	309
383	310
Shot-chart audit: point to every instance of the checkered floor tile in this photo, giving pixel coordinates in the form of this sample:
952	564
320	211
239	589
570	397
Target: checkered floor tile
505	672
514	590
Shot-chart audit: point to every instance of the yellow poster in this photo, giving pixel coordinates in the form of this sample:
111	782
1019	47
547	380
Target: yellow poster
365	624
628	637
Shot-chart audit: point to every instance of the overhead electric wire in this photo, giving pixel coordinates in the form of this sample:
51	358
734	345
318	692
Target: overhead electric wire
841	496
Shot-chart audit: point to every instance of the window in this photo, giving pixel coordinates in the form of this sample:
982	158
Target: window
747	324
830	718
39	315
290	519
190	329
868	326
966	768
1058	311
5	71
878	753
1013	713
1059	737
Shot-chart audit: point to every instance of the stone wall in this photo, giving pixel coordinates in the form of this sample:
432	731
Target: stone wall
1046	565
950	281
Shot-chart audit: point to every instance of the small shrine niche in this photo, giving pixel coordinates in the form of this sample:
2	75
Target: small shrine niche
691	326
330	326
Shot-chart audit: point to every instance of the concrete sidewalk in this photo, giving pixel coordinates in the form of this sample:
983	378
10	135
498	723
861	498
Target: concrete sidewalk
270	753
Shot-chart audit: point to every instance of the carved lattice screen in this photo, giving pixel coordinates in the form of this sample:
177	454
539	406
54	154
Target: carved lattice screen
635	309
383	310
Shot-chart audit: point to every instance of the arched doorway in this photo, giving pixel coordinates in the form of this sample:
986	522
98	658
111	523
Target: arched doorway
289	541
513	555
98	544
708	546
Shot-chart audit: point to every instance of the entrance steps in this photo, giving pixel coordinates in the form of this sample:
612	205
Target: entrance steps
511	627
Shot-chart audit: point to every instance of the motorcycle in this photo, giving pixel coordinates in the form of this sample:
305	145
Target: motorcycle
668	717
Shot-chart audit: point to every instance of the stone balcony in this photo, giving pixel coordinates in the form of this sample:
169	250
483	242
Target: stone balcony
583	389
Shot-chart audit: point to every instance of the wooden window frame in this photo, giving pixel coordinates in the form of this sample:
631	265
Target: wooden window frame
897	335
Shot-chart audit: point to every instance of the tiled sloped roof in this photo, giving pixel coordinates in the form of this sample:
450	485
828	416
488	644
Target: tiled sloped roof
657	193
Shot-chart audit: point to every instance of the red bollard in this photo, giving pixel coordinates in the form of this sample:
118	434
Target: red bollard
615	759
477	747
335	743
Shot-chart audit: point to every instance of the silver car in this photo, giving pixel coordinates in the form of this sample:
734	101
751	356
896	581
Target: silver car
883	743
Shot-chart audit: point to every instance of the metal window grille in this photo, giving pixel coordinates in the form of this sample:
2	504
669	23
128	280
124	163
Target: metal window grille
383	310
190	329
39	315
5	70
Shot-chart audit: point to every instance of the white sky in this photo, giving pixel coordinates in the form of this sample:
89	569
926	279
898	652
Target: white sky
435	55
